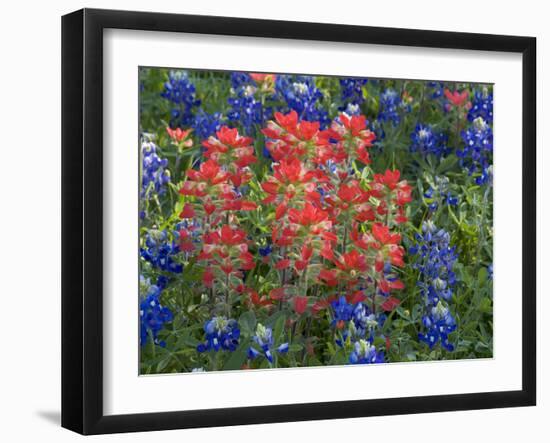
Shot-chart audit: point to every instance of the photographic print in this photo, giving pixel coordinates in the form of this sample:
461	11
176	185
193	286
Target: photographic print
291	220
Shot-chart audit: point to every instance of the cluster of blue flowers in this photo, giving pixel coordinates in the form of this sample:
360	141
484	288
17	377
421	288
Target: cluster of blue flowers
266	343
426	142
359	323
181	92
152	314
477	154
435	259
391	107
160	251
220	333
205	124
440	194
352	93
439	323
301	95
246	106
482	106
365	353
154	175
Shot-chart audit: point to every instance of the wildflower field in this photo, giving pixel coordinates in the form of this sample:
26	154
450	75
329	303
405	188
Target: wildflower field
296	221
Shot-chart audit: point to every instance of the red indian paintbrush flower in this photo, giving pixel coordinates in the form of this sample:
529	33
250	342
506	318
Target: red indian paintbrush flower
229	148
179	137
203	181
457	98
352	136
290	137
290	180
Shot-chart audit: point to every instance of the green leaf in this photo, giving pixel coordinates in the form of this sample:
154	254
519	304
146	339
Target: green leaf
482	276
279	327
237	357
485	305
446	164
247	322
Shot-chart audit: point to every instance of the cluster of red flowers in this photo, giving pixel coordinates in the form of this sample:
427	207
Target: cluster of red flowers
217	190
334	220
327	218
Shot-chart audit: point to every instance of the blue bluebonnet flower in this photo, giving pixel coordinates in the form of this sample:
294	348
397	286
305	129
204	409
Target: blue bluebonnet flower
364	321
343	312
477	154
440	194
425	142
482	106
160	251
301	95
154	175
246	107
439	323
436	89
490	271
435	261
265	250
152	315
206	124
181	92
220	333
264	340
352	92
391	106
354	320
240	78
352	109
365	353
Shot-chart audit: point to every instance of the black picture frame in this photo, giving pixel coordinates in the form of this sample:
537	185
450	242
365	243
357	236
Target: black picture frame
82	218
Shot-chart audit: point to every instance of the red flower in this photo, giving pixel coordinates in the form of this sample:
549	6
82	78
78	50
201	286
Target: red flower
404	193
288	129
352	136
179	136
356	297
239	205
205	179
209	207
386	286
389	179
457	98
328	276
351	262
260	78
383	235
188	211
290	181
283	264
186	243
290	137
230	236
305	256
277	294
230	148
390	304
300	304
309	216
253	297
208	277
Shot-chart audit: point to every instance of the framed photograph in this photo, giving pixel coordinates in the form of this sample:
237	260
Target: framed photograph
273	221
